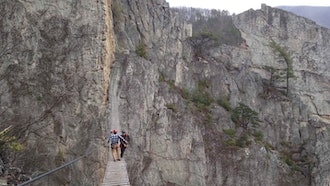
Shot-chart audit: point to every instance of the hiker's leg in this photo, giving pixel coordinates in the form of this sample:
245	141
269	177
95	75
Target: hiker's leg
117	149
122	151
113	149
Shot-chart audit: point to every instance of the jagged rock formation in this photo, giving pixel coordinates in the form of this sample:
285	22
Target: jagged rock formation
57	75
55	61
177	142
319	14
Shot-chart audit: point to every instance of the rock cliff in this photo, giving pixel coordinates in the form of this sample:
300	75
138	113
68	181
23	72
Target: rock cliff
55	61
177	141
68	71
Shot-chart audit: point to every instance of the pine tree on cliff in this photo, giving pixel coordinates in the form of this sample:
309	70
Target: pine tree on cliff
284	55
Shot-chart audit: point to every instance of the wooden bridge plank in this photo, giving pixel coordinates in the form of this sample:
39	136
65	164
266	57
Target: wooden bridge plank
116	173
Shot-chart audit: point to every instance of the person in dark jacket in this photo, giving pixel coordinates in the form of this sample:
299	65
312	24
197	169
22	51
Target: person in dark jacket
123	143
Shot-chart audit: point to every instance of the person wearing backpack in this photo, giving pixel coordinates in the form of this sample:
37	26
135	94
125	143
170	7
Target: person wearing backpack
114	140
123	144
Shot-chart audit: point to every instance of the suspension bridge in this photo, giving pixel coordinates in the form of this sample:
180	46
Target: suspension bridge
116	173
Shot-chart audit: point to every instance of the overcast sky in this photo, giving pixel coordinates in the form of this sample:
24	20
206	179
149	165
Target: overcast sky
238	6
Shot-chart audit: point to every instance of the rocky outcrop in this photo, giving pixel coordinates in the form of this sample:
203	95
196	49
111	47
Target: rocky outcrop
320	14
178	141
62	90
55	61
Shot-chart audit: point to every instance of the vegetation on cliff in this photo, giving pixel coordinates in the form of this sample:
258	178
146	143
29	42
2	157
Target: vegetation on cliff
215	23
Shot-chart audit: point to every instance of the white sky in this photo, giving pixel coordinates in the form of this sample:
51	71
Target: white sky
238	6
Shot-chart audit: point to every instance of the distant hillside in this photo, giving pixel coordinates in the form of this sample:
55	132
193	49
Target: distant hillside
321	15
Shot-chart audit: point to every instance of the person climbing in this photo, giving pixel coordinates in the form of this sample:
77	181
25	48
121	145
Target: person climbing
114	140
123	144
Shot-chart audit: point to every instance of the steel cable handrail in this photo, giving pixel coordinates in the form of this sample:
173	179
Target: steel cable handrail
54	170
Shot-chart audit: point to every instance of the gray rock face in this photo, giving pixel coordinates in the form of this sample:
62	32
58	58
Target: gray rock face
319	14
62	91
175	141
54	72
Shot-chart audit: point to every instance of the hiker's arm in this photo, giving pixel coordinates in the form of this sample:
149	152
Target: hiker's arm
123	139
109	138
